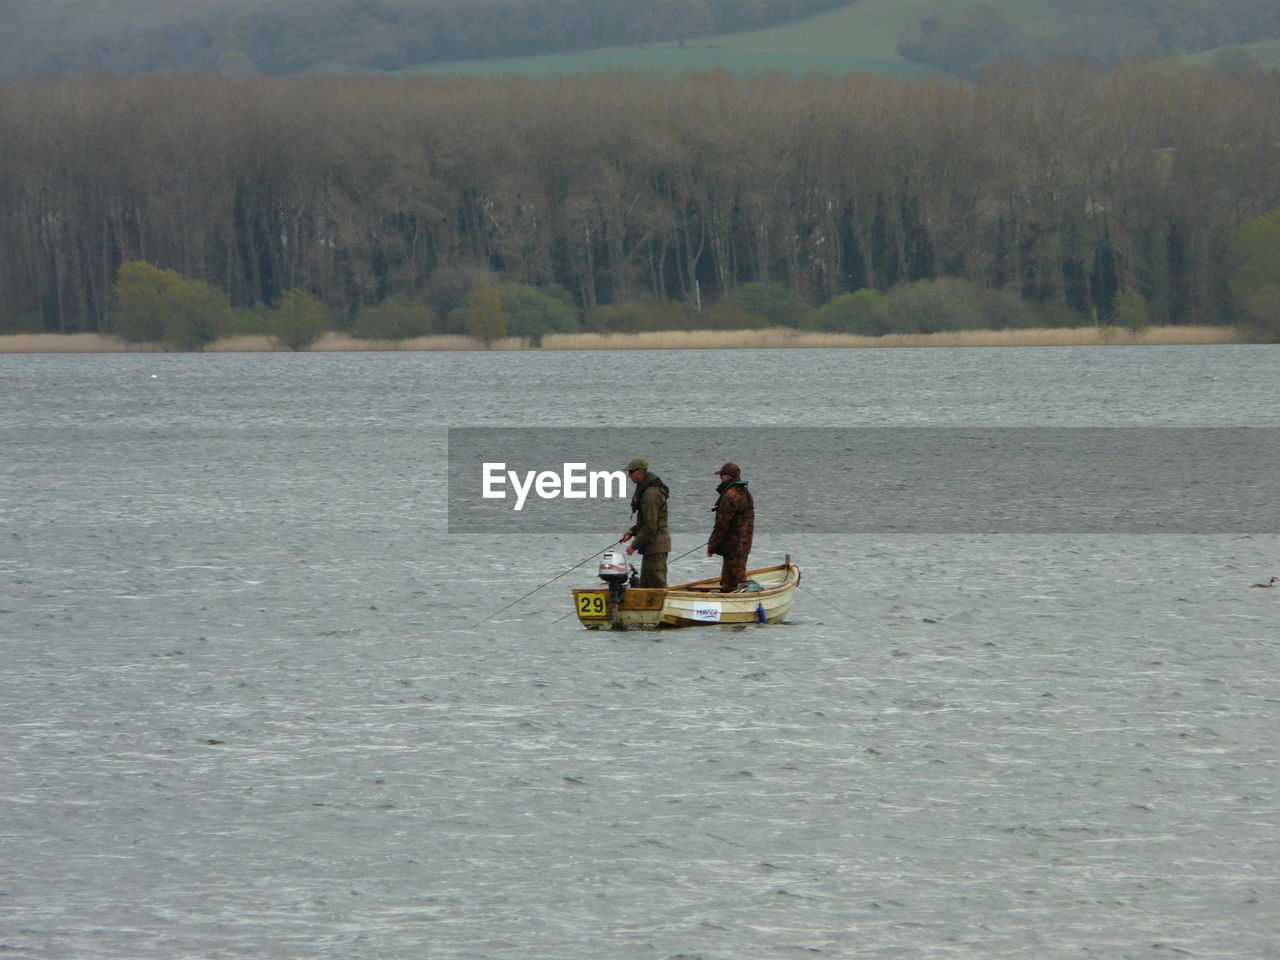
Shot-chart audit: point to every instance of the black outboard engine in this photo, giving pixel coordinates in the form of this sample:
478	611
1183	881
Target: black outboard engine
613	571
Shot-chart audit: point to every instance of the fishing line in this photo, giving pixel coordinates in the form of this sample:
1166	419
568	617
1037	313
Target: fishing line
681	557
687	552
540	586
827	602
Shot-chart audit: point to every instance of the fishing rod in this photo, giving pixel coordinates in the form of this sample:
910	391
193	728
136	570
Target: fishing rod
687	552
540	586
681	557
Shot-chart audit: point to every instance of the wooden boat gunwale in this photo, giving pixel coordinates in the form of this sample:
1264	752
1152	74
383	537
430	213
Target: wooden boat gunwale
710	586
649	608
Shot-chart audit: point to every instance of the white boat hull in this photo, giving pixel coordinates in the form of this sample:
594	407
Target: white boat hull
698	603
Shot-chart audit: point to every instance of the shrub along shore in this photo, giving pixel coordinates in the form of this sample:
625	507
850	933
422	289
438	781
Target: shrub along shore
772	338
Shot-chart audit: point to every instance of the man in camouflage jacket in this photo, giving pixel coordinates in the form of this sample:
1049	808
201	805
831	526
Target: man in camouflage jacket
649	536
735	521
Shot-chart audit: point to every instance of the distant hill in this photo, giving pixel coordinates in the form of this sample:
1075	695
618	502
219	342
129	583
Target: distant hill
1264	53
284	37
244	38
954	36
860	37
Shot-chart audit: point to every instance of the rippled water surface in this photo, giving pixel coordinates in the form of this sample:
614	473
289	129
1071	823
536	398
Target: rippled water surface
246	711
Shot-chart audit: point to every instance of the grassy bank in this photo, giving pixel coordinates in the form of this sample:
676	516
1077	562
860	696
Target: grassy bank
665	340
861	38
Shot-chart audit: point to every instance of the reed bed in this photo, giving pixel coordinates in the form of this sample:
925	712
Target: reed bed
774	338
341	343
244	344
337	342
249	343
61	343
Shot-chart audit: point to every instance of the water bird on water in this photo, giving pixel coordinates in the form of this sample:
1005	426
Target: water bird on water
1264	586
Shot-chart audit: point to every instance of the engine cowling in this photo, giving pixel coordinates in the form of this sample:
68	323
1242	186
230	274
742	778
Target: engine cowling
613	567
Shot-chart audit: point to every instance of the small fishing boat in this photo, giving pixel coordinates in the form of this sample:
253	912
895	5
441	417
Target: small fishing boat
765	598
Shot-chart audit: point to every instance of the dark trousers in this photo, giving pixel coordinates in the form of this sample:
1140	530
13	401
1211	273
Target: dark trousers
733	572
653	570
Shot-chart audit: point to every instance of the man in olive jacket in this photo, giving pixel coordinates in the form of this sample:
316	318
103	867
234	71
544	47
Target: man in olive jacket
649	536
735	522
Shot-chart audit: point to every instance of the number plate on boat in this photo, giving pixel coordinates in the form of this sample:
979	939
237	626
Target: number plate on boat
592	605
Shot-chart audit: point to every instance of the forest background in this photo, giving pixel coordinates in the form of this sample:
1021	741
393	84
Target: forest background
1044	171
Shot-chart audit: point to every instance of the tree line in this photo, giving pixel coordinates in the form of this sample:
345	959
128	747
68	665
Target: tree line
279	37
1059	189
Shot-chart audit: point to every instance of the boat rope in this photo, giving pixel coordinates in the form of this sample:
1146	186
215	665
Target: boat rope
540	586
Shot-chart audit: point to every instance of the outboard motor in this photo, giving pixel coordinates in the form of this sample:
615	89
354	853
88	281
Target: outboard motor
613	567
613	571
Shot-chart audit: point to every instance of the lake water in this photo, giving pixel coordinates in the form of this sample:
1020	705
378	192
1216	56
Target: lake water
247	712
